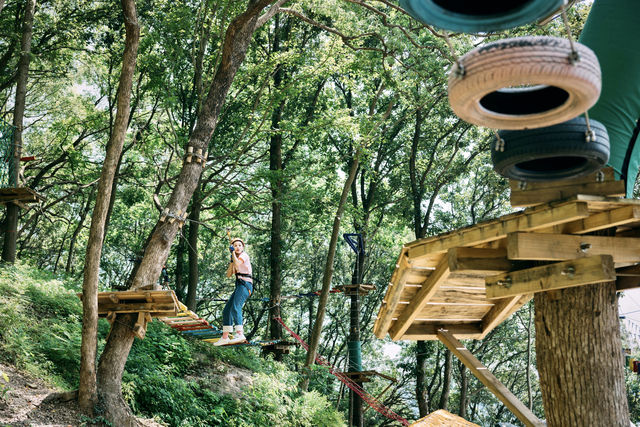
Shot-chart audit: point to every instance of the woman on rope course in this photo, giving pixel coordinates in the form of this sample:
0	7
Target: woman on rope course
232	314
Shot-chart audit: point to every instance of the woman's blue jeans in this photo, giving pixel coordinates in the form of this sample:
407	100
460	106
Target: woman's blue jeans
232	313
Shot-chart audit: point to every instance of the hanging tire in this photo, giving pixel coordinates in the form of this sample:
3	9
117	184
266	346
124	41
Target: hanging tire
551	153
524	83
473	16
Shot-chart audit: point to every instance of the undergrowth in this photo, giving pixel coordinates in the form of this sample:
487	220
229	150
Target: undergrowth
166	376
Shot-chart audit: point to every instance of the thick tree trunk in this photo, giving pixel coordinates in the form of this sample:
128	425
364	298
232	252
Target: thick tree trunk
110	370
328	268
236	42
87	392
579	357
11	221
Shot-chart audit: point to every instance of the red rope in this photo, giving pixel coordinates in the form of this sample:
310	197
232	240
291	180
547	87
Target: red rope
371	401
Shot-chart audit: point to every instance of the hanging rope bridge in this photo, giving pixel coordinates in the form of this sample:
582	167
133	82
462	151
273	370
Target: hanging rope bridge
190	324
371	401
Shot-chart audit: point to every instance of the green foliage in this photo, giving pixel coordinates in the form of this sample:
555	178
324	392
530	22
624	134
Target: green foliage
40	324
632	380
4	388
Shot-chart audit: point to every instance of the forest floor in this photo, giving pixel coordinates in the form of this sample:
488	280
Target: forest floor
23	403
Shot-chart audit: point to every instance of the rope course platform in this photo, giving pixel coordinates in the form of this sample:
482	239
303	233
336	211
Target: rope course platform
365	376
472	279
19	195
359	289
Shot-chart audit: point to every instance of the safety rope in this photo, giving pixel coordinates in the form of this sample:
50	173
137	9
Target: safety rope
371	401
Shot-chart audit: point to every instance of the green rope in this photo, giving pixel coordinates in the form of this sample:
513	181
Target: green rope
7	177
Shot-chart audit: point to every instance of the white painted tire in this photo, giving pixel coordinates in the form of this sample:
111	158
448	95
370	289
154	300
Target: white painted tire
524	83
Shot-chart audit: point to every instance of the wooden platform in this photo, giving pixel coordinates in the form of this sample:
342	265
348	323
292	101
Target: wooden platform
359	289
442	418
156	303
440	281
20	194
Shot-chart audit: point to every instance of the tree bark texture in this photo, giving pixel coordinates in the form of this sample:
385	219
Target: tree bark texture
328	268
192	250
579	357
446	380
13	211
118	346
464	390
422	394
275	167
110	369
87	393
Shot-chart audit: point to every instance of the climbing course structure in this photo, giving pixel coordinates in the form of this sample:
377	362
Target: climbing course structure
10	190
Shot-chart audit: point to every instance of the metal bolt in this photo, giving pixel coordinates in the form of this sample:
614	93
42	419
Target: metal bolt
600	176
584	247
522	185
574	57
499	144
569	272
590	136
507	282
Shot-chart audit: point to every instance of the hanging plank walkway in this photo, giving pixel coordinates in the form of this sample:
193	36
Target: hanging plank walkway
470	280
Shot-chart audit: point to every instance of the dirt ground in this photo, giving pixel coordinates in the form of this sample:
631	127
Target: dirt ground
23	403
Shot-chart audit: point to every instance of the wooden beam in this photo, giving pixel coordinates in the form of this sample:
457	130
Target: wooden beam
603	220
429	332
525	198
607	174
560	247
628	278
495	230
135	307
583	271
481	372
392	297
498	313
429	287
478	260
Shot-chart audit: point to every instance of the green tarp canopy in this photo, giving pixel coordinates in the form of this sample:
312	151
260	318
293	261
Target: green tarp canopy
612	31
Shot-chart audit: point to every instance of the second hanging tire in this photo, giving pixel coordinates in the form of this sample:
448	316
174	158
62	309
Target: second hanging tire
551	153
524	83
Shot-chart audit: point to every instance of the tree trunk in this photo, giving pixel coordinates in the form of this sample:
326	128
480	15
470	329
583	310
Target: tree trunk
328	268
464	390
446	381
579	357
179	276
275	167
87	393
234	48
11	221
192	250
422	394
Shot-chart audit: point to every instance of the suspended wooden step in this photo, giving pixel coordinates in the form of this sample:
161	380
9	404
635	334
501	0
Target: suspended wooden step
19	195
472	279
359	289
